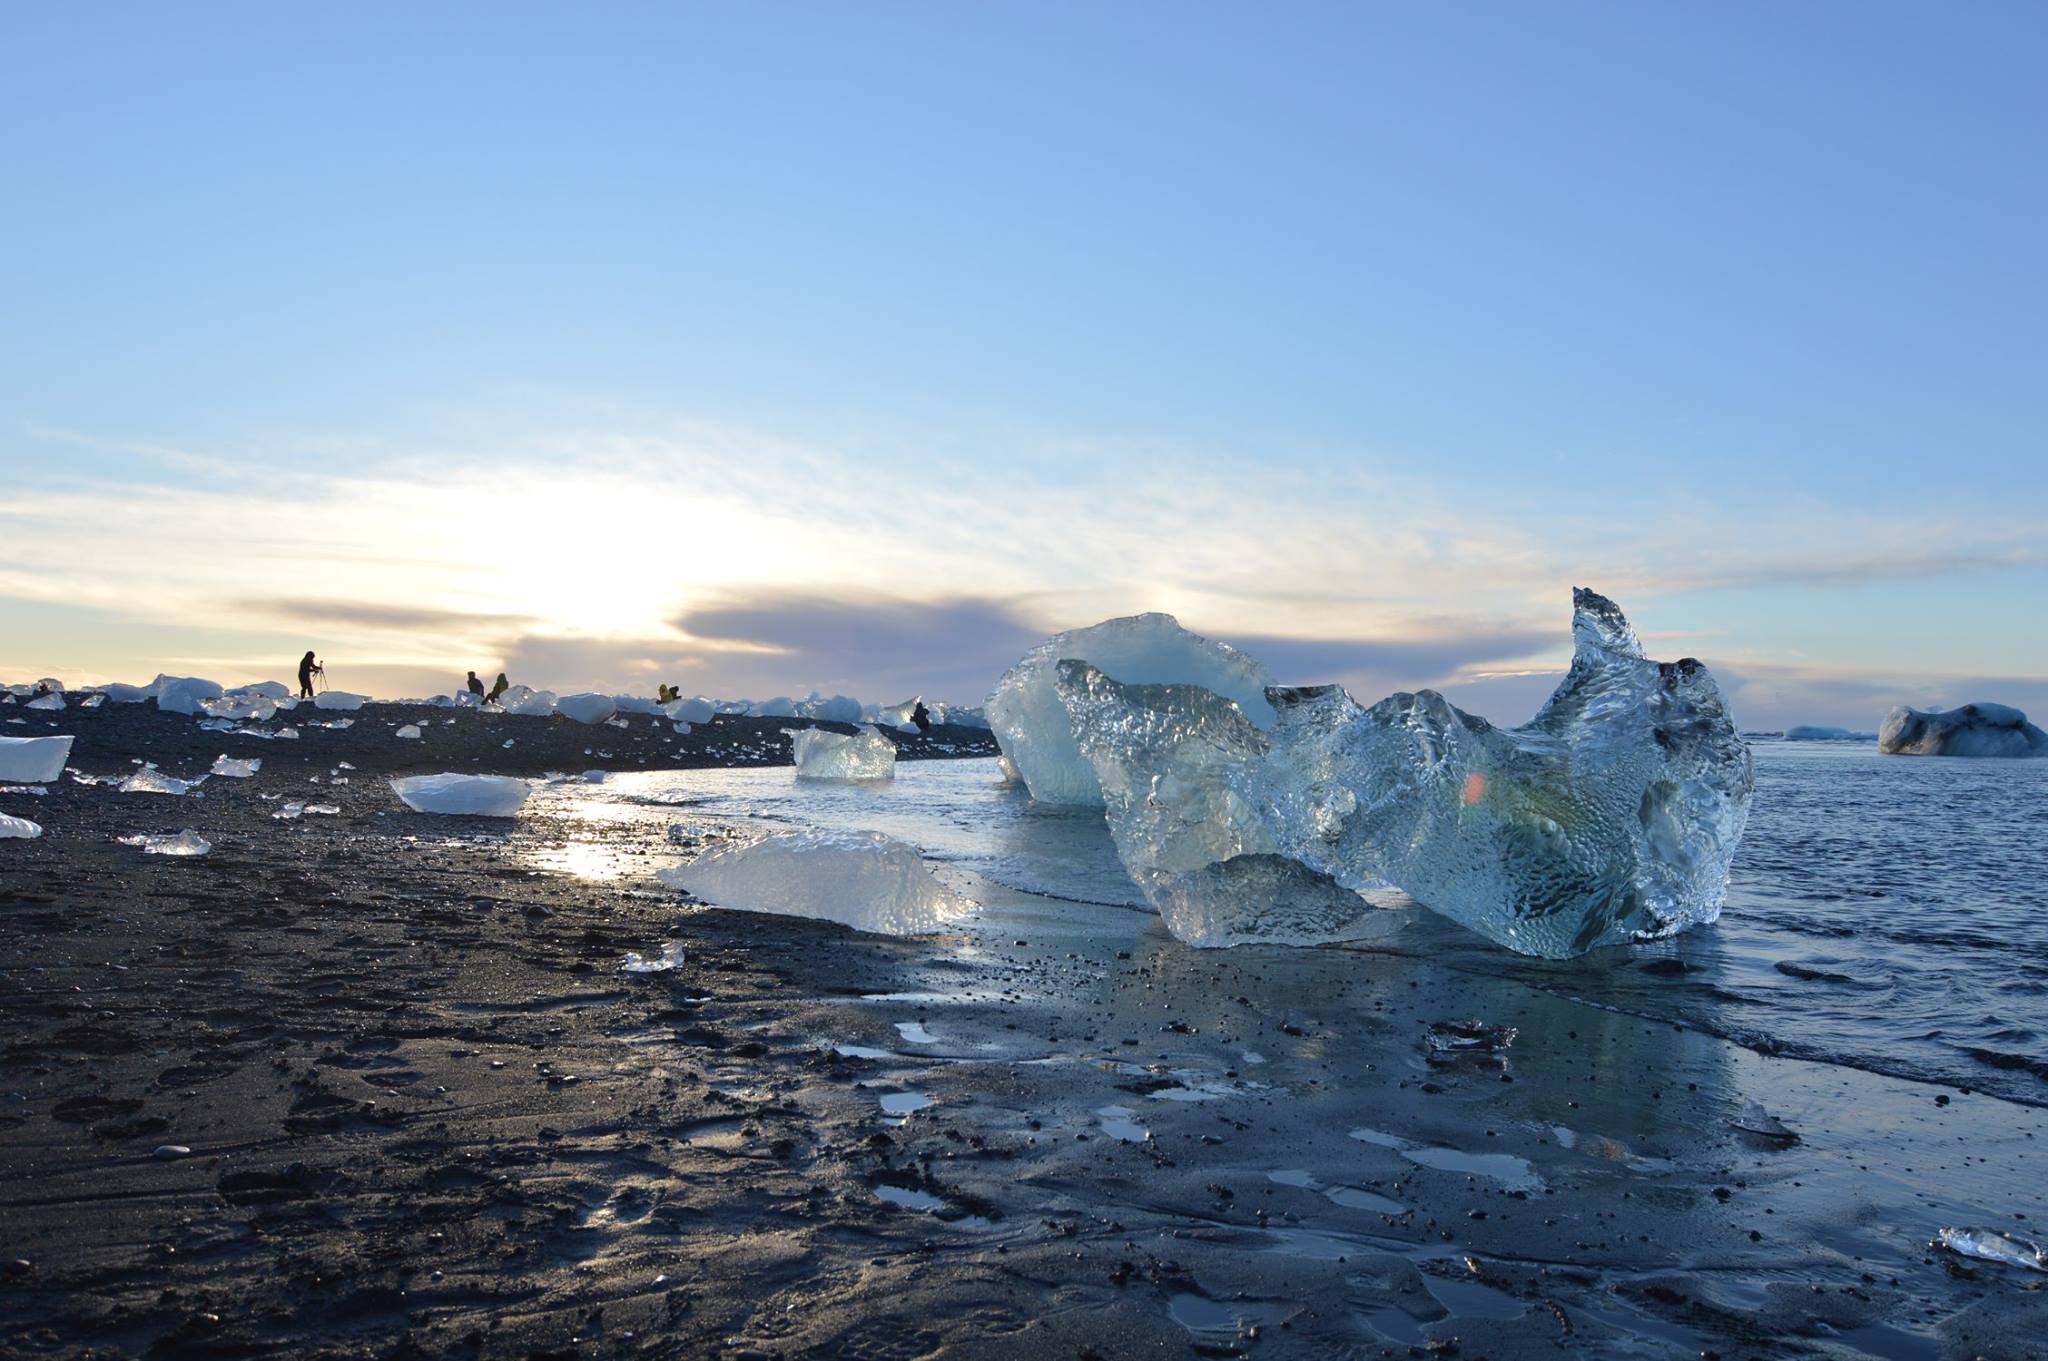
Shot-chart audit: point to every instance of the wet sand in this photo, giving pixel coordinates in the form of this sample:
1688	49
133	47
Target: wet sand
428	1113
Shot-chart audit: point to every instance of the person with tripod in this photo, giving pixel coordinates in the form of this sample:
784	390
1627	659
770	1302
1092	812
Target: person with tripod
309	668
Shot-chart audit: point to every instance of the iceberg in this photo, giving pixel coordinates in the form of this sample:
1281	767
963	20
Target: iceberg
486	796
824	755
864	880
1809	733
586	707
13	827
339	699
959	716
1035	732
1973	730
33	760
187	842
1612	816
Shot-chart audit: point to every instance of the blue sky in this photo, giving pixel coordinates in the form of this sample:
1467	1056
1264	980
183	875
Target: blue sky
476	334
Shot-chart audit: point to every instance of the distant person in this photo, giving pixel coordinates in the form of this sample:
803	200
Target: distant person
922	717
500	688
308	668
476	687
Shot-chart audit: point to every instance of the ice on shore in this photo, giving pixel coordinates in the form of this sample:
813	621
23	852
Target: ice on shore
696	709
838	709
824	755
240	708
864	880
587	707
274	691
669	956
339	699
527	702
1973	730
782	706
1991	1245
236	768
411	730
12	828
33	760
488	796
959	716
1035	732
52	701
187	842
182	694
150	780
897	716
1610	817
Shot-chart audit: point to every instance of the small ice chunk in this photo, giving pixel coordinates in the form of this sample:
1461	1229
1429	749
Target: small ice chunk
187	842
594	777
1973	730
681	729
824	755
489	796
865	880
587	707
150	780
235	768
32	760
339	699
1031	723
1990	1245
411	730
240	708
507	744
669	956
92	701
13	827
1448	1042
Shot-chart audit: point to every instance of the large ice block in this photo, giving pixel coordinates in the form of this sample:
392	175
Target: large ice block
587	707
33	760
1973	730
1033	728
824	755
486	796
865	880
1610	817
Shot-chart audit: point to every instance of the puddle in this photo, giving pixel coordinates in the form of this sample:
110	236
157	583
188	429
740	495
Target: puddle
902	1105
1215	1323
1350	1197
1117	1122
913	1032
1510	1171
909	1198
1470	1299
861	1051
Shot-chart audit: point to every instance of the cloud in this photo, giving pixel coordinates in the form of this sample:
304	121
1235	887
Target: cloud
392	618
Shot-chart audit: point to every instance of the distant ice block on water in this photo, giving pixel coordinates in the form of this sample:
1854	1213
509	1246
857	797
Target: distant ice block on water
1610	817
1031	724
486	796
825	755
1994	730
33	760
864	880
1807	732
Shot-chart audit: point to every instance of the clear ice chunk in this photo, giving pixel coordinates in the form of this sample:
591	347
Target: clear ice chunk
411	730
1035	731
669	956
1990	1245
1612	816
236	768
864	880
187	842
484	796
150	780
825	755
33	760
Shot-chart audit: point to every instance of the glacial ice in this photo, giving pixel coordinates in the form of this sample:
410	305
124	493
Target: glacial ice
411	730
1973	730
488	796
51	701
271	690
127	694
864	880
824	755
587	707
150	780
897	716
339	699
1992	1245
187	842
1034	730
182	694
959	716
527	702
240	708
1611	816
782	706
33	760
1806	732
838	709
236	768
13	827
695	710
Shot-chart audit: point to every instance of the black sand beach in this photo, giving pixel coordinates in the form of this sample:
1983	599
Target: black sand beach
423	1112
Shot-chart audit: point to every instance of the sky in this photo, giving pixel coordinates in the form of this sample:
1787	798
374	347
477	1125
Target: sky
763	349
